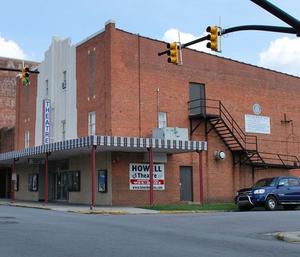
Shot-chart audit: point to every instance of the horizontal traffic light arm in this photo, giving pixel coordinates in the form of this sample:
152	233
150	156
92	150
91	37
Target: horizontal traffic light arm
279	29
188	44
279	13
17	70
288	30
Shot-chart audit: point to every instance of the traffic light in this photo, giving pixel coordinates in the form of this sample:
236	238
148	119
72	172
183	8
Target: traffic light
25	76
173	53
213	37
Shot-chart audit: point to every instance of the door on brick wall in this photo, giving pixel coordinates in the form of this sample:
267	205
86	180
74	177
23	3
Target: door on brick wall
186	183
197	99
5	183
2	184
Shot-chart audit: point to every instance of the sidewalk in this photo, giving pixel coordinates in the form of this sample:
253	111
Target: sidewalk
83	209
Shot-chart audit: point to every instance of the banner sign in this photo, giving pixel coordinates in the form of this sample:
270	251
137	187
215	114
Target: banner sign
47	108
257	124
139	178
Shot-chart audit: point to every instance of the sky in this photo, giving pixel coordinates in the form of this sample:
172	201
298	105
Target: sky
27	28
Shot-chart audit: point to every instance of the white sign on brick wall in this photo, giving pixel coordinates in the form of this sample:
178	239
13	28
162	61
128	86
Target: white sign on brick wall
139	178
257	124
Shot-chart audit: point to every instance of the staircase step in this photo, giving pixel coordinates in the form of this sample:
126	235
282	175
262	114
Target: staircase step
214	119
230	140
222	130
225	134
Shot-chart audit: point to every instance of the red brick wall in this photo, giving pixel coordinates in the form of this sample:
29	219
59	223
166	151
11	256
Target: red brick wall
100	100
7	139
126	104
7	93
26	112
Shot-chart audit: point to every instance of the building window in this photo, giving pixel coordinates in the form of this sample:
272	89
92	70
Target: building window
27	138
63	129
162	119
92	123
64	83
47	87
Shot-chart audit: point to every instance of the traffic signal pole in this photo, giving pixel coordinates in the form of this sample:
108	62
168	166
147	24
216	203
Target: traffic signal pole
282	15
267	28
17	70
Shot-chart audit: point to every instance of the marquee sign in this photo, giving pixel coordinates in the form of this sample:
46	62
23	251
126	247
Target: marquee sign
139	178
47	109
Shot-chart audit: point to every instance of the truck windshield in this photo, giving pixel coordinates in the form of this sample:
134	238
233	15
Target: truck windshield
265	182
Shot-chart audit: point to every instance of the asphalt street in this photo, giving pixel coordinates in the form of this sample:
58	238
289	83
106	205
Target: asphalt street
42	233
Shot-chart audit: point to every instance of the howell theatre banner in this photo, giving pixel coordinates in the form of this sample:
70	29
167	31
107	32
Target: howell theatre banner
139	178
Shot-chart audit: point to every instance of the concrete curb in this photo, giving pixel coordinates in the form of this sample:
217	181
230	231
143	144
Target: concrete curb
101	212
194	211
26	206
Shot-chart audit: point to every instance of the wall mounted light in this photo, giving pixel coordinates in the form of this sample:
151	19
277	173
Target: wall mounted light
219	155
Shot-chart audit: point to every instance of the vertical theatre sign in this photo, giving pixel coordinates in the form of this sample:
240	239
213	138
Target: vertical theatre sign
139	178
47	109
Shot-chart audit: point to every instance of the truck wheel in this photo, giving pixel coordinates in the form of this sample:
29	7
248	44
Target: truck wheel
271	203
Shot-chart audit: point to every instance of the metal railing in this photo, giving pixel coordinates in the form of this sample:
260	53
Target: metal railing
211	108
282	159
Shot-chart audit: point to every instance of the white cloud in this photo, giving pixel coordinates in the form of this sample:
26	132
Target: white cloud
11	49
282	55
171	35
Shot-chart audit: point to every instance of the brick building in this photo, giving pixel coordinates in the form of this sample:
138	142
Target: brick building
131	103
8	82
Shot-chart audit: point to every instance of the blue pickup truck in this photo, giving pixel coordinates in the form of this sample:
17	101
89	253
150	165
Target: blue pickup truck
270	193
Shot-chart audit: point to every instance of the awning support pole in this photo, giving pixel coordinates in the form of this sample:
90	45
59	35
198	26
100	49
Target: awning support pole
201	184
93	176
150	153
46	178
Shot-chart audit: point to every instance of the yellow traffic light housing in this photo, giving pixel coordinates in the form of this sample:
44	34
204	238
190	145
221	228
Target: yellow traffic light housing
25	76
173	53
213	37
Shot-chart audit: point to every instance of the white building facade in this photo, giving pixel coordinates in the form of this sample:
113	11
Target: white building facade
56	113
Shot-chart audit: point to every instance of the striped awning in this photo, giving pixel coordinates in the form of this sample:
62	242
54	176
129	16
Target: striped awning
110	143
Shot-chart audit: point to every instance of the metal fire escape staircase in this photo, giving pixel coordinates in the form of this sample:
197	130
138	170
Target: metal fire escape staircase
243	146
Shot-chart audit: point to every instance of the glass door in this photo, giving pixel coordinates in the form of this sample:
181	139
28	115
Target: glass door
61	182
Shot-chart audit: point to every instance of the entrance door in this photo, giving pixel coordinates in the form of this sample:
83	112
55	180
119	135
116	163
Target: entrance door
186	184
197	99
2	184
61	186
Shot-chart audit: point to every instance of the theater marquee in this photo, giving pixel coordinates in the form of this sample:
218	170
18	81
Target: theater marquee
139	176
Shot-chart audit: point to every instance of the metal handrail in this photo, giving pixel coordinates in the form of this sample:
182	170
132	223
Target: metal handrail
243	139
282	157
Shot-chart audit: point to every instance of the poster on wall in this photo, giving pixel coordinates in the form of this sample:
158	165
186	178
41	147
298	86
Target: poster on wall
139	178
257	124
102	181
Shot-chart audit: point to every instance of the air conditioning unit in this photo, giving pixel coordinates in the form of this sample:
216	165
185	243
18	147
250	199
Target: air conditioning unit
170	133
